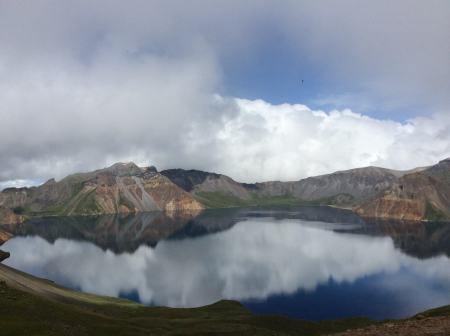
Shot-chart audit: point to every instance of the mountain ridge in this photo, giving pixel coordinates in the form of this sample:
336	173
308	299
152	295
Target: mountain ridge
120	188
373	192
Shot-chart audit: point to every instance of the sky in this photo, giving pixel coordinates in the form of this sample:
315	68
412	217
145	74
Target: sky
257	90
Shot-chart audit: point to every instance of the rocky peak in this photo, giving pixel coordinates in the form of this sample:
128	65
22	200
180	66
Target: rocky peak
50	182
124	169
445	163
149	172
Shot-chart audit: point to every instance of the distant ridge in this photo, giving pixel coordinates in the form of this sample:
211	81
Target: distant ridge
373	192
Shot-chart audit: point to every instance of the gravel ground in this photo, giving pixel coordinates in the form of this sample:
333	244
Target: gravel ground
436	326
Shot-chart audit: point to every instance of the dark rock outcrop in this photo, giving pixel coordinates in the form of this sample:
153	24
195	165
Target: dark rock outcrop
4	255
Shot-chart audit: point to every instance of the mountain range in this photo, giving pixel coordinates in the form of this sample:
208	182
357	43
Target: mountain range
371	192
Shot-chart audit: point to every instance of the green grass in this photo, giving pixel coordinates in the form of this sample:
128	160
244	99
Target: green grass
54	210
441	311
87	205
219	200
58	209
223	200
434	215
125	202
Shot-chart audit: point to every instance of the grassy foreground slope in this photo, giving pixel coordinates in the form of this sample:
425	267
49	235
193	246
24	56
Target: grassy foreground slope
32	306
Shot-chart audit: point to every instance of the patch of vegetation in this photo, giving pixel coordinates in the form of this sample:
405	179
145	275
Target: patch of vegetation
223	200
58	209
435	215
19	210
88	204
125	202
263	201
441	311
219	200
53	210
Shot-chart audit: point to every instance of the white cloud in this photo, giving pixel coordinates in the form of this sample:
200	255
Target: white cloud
83	86
247	140
288	142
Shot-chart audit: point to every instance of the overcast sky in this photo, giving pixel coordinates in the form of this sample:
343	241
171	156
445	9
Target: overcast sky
217	85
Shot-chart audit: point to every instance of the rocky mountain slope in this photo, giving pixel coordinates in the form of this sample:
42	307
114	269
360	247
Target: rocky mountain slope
372	192
121	188
343	188
416	196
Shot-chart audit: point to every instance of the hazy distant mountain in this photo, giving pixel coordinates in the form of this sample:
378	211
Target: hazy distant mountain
422	193
343	187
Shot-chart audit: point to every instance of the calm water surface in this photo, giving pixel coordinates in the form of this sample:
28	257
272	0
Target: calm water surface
309	262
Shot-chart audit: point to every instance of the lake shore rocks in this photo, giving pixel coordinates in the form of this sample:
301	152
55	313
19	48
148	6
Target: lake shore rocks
4	255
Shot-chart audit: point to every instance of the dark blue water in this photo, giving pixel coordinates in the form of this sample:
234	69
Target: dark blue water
311	262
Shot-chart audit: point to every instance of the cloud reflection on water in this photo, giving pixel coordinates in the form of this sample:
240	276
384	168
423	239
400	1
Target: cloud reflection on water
252	260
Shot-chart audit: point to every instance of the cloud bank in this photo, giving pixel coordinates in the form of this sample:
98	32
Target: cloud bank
247	140
83	86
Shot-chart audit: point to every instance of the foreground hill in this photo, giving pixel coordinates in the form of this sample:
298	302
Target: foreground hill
33	306
121	188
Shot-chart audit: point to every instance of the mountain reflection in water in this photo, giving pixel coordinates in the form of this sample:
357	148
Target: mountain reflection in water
309	262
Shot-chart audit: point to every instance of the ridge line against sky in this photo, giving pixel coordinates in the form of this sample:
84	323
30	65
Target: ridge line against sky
155	82
264	129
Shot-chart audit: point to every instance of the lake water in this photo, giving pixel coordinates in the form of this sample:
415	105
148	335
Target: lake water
308	262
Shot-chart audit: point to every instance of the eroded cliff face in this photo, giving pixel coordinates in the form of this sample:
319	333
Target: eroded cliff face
357	184
390	207
4	236
121	188
8	216
418	196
